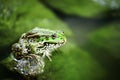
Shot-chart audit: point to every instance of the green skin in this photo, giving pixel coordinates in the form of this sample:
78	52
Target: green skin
33	47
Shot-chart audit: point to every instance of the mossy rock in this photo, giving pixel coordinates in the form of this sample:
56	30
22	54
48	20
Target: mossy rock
84	8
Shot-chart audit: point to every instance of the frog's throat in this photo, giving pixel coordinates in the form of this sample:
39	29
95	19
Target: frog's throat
48	48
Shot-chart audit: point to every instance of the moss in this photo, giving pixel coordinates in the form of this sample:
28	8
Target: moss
73	63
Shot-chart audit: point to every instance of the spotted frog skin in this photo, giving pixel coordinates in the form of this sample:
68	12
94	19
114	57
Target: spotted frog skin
32	47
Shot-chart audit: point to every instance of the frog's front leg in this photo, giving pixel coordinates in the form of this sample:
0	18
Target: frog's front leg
47	53
39	50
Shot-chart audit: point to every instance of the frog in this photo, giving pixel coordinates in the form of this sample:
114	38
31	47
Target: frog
33	47
39	41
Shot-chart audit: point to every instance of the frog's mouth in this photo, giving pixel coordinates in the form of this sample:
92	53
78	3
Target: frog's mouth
53	44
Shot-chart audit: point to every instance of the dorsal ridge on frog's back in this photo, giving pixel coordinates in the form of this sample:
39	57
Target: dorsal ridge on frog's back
41	31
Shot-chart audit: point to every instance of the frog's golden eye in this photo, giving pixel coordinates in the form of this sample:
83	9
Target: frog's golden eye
54	36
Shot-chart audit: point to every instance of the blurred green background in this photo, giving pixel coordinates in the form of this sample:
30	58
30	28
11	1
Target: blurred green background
92	27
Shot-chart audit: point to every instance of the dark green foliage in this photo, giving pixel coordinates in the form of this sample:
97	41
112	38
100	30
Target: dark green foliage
84	8
108	38
104	46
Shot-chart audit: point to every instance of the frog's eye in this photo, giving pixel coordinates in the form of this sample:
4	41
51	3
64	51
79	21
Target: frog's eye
54	36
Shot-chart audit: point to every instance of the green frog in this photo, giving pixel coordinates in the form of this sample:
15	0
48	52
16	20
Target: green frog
33	46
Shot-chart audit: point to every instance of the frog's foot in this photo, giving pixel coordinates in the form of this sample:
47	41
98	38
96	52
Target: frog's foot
47	54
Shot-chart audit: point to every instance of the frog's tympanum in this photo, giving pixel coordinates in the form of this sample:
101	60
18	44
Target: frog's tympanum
33	46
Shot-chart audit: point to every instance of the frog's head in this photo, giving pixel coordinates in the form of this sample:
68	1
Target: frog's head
48	38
